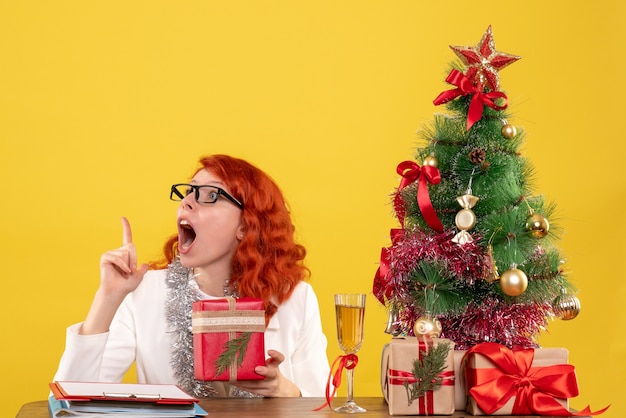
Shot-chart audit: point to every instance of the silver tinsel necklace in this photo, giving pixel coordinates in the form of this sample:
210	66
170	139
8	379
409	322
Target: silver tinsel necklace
183	291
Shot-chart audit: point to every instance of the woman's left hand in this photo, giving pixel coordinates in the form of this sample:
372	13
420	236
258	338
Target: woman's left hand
274	384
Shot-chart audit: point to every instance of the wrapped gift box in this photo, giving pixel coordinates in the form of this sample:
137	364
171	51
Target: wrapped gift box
504	380
228	338
397	369
460	395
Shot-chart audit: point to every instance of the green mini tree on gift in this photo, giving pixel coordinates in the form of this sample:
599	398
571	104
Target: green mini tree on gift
475	258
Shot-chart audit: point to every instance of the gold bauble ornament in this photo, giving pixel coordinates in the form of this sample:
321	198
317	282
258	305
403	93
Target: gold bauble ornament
513	282
427	326
431	160
538	225
508	131
566	307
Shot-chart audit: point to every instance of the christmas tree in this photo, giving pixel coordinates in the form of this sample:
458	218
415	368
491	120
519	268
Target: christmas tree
475	258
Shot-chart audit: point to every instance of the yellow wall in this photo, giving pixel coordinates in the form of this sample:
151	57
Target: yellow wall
103	104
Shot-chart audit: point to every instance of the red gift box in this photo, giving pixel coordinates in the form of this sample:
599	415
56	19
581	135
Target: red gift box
397	377
228	338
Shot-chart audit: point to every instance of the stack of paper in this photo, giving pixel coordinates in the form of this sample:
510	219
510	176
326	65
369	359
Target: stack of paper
99	400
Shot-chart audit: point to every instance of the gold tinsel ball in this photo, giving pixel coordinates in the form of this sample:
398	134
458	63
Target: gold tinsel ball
428	326
566	307
513	282
508	131
538	225
431	160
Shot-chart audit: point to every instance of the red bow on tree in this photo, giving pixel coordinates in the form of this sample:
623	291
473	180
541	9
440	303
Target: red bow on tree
380	289
411	172
382	286
466	86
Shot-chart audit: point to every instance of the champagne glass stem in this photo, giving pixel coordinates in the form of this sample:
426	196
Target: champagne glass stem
350	379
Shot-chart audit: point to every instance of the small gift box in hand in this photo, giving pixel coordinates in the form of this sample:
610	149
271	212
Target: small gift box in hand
228	338
417	376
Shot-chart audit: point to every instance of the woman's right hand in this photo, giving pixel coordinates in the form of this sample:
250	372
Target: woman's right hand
119	275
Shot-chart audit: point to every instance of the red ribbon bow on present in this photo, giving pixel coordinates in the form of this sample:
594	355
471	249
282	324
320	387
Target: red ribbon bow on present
347	361
534	388
465	86
410	172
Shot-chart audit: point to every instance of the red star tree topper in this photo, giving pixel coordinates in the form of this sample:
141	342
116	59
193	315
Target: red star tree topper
483	61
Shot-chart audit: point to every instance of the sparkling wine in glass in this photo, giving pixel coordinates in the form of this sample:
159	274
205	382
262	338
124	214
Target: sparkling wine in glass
350	310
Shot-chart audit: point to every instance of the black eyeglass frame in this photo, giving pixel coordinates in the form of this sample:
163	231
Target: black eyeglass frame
176	196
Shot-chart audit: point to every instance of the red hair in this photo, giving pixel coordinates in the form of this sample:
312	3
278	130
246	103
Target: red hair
268	263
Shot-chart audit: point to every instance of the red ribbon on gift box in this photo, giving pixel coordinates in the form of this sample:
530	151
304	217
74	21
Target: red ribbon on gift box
466	86
534	388
426	402
411	172
400	377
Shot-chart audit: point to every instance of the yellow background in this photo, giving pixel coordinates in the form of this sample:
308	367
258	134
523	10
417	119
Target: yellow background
104	104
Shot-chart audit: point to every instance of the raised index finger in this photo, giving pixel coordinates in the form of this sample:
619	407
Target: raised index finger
127	235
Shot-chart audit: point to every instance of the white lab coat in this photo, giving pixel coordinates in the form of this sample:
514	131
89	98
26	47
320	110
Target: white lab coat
139	333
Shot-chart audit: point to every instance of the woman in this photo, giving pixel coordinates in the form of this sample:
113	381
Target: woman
235	237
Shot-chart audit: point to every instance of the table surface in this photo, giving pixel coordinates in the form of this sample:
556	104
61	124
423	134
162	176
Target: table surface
260	408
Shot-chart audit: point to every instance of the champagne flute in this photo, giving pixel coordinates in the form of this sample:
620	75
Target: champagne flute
350	310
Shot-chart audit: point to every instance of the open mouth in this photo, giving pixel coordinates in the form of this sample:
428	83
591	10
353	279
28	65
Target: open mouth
186	234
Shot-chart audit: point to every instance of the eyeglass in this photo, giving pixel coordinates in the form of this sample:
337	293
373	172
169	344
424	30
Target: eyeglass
203	194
